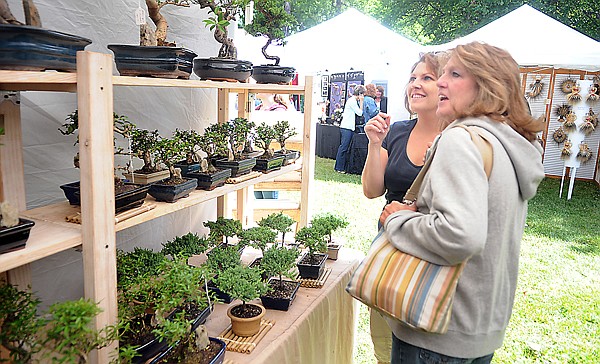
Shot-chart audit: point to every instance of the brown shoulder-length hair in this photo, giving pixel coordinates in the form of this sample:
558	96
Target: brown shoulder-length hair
499	94
434	61
371	90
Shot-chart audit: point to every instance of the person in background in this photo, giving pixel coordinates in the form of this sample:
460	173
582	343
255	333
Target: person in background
369	105
381	100
271	102
461	215
395	157
352	108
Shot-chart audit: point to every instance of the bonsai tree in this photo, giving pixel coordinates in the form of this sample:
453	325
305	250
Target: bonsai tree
313	239
279	261
191	144
19	323
143	146
139	264
185	246
168	152
328	223
214	141
32	16
271	20
279	222
220	259
264	136
283	131
242	283
258	237
223	13
69	335
223	227
239	131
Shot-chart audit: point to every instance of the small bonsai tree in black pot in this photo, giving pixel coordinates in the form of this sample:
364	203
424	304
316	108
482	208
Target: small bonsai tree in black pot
239	131
213	142
284	131
328	223
279	222
268	161
277	262
191	147
311	265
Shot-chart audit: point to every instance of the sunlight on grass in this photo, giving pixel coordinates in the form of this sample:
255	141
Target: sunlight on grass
556	317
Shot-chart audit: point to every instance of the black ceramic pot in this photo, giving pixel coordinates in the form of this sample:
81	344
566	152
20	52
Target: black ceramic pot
218	359
123	201
238	168
210	181
187	168
310	271
277	303
172	193
27	48
222	69
15	237
153	61
290	156
269	164
273	74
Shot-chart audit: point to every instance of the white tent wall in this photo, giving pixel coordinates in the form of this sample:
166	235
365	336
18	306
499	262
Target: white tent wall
48	155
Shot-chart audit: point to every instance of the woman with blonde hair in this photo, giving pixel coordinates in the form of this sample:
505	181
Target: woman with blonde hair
462	215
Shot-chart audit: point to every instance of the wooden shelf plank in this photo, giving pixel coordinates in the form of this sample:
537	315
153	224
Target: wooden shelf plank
38	81
45	239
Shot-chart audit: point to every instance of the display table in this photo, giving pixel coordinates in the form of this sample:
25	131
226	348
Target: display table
357	153
318	328
327	140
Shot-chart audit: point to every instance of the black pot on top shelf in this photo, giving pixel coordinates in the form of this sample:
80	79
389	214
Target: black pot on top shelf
273	74
153	61
222	69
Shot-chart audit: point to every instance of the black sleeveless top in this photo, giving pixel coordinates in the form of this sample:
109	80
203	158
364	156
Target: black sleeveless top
400	172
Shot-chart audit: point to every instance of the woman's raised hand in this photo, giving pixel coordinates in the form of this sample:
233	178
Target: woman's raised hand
378	127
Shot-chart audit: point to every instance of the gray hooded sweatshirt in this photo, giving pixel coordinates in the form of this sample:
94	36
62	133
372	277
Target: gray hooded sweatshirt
463	216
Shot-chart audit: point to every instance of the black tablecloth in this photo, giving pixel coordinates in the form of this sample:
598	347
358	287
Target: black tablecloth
357	155
327	140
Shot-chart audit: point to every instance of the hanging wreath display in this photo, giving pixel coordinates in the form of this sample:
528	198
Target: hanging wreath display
562	111
565	153
593	94
569	123
535	88
574	96
559	135
592	118
567	85
584	154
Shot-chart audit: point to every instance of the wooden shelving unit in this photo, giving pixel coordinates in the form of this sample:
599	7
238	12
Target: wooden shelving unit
51	234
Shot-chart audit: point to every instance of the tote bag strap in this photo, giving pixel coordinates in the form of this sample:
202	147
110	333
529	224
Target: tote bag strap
482	144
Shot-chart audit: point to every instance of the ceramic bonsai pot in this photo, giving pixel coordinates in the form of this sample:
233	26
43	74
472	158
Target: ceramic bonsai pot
146	178
311	271
187	168
290	156
27	48
217	359
123	201
15	237
273	74
153	61
245	326
220	295
332	251
269	164
171	193
272	300
222	69
208	181
238	168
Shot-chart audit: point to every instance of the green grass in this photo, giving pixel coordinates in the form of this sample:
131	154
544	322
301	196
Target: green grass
556	318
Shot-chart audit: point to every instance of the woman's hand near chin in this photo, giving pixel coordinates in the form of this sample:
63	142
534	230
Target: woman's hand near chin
377	128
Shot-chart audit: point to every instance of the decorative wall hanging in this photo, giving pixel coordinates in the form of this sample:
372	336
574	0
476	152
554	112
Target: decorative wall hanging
565	153
562	112
559	135
569	123
574	96
592	117
567	85
535	89
593	95
584	154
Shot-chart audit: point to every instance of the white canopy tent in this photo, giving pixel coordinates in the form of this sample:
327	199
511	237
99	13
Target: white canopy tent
535	39
351	41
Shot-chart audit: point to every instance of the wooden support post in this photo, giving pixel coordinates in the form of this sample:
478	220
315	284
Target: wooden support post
308	155
95	102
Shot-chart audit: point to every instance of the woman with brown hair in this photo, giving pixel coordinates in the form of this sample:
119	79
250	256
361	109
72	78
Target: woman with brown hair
461	215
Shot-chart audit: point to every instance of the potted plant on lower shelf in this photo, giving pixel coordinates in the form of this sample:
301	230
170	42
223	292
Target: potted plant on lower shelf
277	262
245	284
14	231
258	237
329	223
213	142
222	229
186	246
267	161
284	131
312	263
168	152
219	260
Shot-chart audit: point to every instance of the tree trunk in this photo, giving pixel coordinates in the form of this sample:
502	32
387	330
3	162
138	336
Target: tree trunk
6	17
264	52
32	16
158	20
147	36
227	49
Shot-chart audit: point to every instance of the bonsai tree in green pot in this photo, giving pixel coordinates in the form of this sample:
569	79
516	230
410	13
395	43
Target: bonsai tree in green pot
279	222
311	265
168	152
328	223
245	284
239	131
223	227
271	20
264	135
213	142
19	324
284	131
